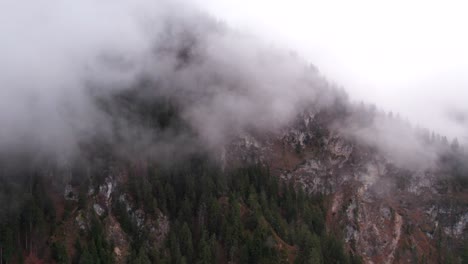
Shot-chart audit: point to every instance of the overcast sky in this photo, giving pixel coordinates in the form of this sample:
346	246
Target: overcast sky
407	56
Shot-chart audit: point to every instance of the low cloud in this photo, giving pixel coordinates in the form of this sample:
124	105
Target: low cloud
76	71
60	58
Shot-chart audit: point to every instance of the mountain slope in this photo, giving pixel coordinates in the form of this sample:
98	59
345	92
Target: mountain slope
385	212
222	149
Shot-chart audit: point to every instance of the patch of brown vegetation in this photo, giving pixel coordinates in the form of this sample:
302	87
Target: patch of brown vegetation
283	158
115	234
33	259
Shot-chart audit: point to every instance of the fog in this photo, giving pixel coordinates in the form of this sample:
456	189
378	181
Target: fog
405	56
48	50
59	57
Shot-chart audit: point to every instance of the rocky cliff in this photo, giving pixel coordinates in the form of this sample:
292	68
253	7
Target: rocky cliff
386	213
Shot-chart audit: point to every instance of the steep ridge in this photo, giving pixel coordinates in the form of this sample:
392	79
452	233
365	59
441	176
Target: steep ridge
198	161
384	212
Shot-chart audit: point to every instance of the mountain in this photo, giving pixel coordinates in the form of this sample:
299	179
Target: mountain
222	149
385	213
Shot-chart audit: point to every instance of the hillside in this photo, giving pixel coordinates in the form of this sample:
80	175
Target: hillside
302	194
217	148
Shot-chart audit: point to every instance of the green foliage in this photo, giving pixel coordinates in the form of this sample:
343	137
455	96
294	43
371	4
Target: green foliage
464	255
245	216
59	253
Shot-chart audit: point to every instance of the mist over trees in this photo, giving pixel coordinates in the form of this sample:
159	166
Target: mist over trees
154	93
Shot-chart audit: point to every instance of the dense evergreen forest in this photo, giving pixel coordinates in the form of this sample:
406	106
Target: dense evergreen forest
215	215
243	215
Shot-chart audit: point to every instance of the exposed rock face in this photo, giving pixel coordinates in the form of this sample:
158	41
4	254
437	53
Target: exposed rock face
102	201
385	213
119	238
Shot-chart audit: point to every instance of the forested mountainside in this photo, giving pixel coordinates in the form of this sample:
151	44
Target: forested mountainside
222	153
141	214
383	211
303	194
107	207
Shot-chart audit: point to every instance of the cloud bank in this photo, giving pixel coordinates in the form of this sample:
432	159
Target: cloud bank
59	56
76	71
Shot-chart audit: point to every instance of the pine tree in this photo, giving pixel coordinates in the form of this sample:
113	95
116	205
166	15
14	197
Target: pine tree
186	245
